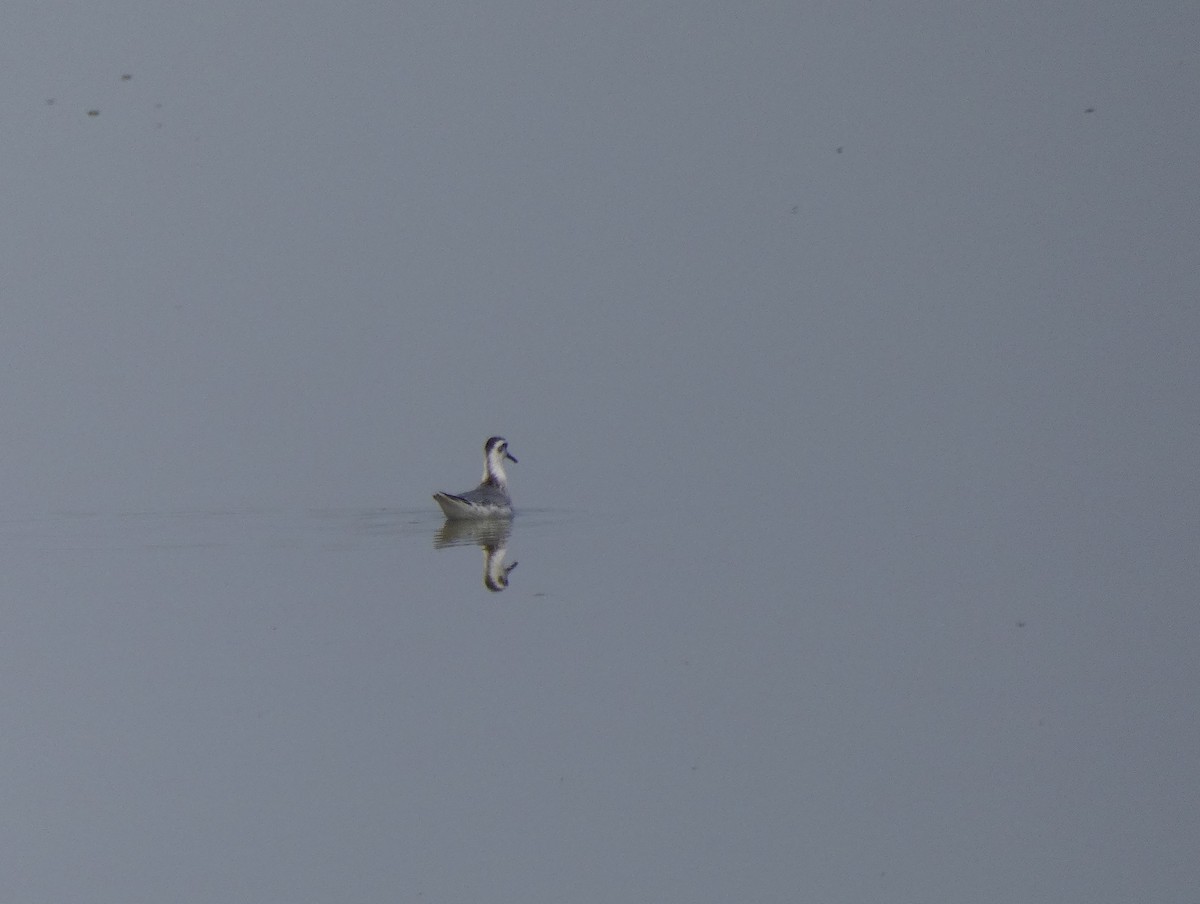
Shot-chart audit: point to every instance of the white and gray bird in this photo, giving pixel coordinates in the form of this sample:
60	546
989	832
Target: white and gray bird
490	499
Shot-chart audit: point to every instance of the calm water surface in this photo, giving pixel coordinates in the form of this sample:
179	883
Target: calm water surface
333	703
849	353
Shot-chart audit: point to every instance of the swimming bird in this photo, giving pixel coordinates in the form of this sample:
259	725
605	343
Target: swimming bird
490	499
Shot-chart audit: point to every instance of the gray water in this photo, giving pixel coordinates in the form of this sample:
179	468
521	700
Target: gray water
849	356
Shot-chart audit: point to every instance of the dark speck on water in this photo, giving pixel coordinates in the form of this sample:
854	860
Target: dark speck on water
93	112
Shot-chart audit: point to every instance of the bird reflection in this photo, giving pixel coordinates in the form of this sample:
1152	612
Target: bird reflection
490	535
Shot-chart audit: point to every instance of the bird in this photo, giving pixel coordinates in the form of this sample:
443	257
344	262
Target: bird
488	500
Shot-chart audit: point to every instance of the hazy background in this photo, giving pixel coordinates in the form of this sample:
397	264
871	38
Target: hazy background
850	354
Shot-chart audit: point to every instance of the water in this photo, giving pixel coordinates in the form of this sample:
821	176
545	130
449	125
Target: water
849	359
229	683
332	699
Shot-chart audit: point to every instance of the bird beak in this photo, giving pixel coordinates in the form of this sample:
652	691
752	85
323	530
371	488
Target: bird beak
508	455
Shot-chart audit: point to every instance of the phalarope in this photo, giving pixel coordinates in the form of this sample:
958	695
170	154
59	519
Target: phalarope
490	499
